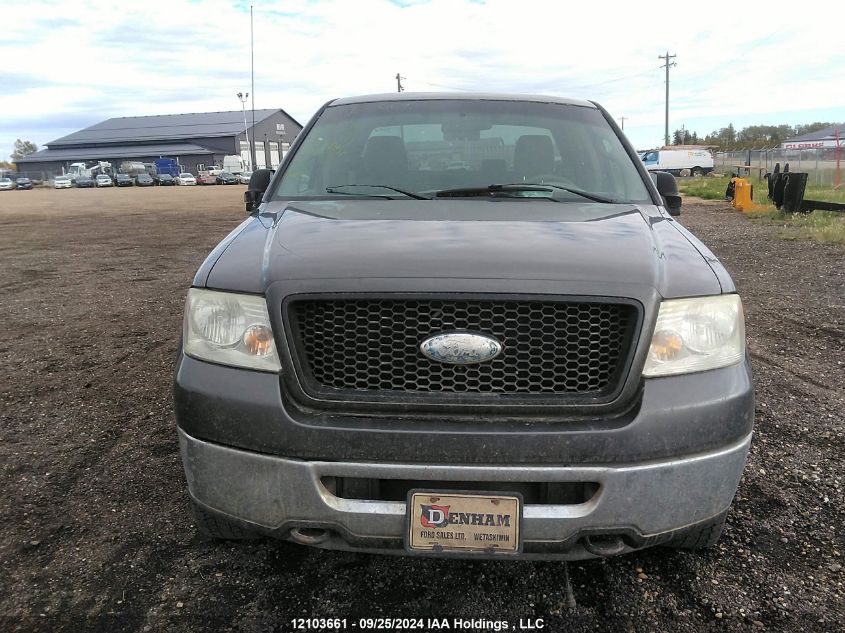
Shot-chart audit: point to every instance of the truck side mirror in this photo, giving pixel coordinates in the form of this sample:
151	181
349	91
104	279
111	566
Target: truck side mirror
668	189
258	183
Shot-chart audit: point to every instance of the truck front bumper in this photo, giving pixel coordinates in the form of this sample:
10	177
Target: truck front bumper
643	504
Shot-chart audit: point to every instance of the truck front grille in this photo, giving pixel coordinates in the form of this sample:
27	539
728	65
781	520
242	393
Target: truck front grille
550	347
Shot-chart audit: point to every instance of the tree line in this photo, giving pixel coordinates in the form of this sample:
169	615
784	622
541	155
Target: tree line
751	137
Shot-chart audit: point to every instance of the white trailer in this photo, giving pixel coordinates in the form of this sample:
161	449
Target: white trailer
679	161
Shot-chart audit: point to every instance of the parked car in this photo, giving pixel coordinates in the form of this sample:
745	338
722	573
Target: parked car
23	183
103	180
165	180
6	184
528	357
225	178
123	180
62	182
244	177
144	180
84	182
186	179
206	179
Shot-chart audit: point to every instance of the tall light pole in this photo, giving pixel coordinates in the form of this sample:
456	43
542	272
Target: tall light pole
252	78
242	98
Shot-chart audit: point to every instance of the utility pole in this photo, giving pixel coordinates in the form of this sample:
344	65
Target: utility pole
622	119
399	87
669	64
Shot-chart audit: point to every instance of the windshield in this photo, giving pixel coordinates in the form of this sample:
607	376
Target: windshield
429	146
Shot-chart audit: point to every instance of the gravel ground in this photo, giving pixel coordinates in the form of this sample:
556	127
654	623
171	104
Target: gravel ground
95	531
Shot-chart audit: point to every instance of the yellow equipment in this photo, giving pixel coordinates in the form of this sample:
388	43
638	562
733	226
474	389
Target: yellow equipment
743	191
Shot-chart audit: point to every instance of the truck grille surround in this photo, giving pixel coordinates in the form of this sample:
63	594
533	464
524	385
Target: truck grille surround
559	349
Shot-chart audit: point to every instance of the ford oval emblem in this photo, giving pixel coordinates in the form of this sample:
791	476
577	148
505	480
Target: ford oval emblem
460	348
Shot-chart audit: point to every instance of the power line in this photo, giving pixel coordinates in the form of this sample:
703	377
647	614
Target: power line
669	64
568	89
610	81
426	83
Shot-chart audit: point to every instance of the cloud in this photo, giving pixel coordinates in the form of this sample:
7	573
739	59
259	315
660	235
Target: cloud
136	58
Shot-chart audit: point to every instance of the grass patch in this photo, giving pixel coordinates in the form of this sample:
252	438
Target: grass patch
706	188
714	189
822	226
825	193
709	188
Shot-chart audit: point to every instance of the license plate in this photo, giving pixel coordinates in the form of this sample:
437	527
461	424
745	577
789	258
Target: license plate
463	522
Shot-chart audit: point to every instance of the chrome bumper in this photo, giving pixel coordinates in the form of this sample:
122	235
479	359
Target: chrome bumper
275	495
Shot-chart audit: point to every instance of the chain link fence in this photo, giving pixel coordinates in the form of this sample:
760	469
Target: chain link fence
820	164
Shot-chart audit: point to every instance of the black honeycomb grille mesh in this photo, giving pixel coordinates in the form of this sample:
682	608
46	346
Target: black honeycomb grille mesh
548	347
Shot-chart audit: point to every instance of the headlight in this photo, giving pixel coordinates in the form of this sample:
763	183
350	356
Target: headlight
229	329
695	335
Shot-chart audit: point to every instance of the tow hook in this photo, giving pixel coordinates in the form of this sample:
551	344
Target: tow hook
604	545
309	536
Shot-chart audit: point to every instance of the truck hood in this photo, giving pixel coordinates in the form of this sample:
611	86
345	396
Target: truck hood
585	245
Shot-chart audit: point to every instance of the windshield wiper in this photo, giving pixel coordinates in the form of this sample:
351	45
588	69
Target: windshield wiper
491	189
520	186
410	194
578	192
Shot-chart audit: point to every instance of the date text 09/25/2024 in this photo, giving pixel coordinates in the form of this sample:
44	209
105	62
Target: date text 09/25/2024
466	625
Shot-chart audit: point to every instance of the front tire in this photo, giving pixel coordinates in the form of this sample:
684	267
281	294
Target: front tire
213	526
697	171
701	536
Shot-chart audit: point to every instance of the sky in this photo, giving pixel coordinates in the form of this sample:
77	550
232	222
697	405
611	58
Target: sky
68	65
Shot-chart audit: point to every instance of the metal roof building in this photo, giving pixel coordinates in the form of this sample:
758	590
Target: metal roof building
191	139
820	139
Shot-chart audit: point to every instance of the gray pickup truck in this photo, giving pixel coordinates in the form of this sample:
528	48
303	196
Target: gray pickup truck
464	325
